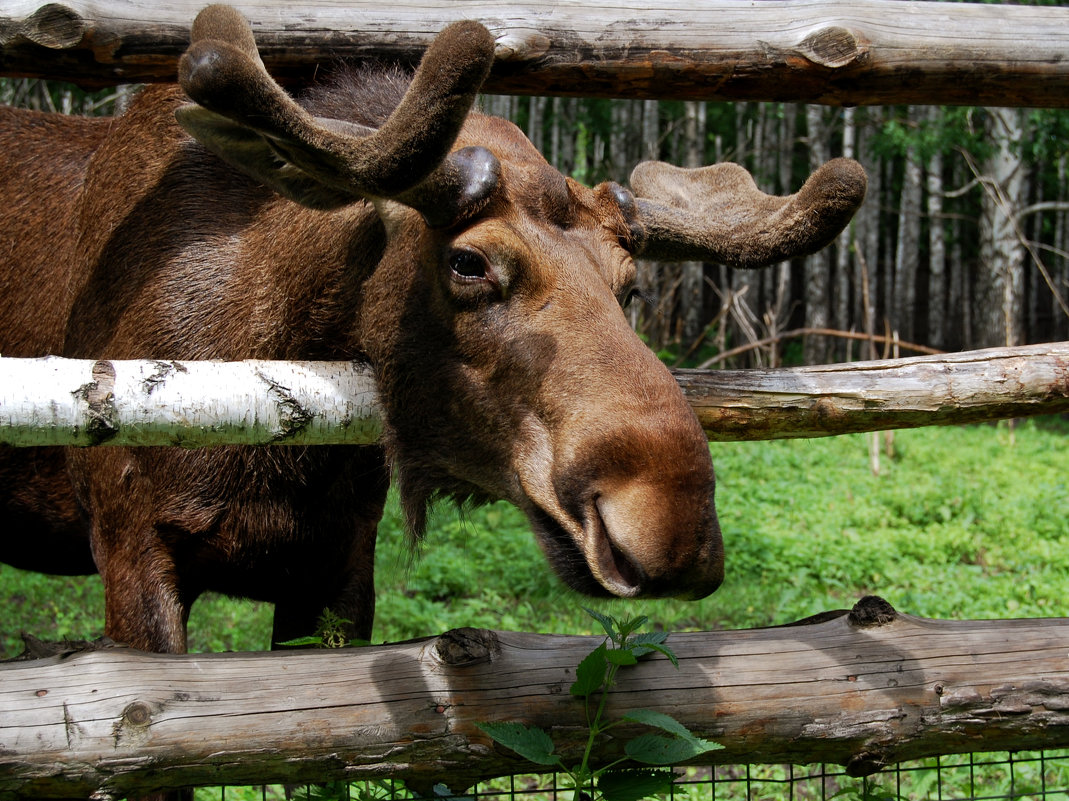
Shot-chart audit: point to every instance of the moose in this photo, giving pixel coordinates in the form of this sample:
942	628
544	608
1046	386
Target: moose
378	218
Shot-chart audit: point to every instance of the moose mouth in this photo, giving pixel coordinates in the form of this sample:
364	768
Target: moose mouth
616	574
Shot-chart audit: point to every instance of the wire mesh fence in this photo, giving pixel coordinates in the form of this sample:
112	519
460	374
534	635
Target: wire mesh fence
997	776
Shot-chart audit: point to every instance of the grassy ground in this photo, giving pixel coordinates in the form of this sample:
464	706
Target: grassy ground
962	523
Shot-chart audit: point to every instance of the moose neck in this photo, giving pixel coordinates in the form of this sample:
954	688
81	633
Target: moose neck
186	258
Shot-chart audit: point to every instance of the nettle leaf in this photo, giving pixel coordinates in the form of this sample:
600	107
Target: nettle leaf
659	720
650	637
302	642
442	791
632	784
649	642
624	657
532	743
655	749
631	625
607	623
591	672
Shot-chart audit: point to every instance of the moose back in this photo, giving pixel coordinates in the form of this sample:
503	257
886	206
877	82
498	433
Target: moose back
378	219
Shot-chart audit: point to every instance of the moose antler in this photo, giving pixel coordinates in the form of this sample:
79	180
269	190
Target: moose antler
247	119
718	214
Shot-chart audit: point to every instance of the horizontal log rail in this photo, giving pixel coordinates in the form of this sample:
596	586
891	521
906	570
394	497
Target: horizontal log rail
838	52
851	397
55	401
864	689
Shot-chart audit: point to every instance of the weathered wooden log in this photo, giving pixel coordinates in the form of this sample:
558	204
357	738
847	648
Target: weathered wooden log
949	389
863	689
54	401
841	52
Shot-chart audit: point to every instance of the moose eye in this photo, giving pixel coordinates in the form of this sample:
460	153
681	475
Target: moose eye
468	265
634	293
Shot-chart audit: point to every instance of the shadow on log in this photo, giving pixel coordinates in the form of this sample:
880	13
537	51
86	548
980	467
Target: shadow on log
863	689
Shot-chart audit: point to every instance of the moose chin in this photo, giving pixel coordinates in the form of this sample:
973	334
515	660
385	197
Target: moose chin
376	218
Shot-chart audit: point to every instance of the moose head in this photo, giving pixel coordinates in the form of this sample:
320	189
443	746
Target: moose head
494	318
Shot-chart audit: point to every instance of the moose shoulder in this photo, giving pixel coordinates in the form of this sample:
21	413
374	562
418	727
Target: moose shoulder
378	219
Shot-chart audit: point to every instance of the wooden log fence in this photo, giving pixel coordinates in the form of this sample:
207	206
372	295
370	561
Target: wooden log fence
863	689
55	401
838	52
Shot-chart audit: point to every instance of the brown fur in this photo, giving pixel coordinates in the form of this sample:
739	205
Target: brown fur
126	239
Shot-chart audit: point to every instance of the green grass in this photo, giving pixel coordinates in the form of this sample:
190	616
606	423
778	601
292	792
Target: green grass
962	523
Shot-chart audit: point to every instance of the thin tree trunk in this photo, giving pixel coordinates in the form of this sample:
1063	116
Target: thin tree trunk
867	225
817	266
841	300
937	306
621	124
655	279
959	295
1060	272
907	251
1038	305
564	124
693	272
535	119
780	309
1000	279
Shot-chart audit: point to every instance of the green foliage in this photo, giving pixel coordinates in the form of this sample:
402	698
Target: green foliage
595	676
867	791
329	633
955	127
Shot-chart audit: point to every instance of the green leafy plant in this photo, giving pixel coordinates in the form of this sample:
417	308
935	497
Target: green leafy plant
594	677
866	792
330	633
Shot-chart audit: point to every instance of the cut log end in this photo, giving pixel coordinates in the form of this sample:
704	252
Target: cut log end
466	647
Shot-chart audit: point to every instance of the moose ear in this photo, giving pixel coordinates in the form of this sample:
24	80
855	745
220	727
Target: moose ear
254	155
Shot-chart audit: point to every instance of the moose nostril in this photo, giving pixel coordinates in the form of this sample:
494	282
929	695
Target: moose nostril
616	571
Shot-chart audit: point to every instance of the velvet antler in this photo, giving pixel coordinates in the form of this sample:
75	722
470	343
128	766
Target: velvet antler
247	119
718	214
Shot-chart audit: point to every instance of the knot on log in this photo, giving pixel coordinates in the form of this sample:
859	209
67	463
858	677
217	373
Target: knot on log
871	611
522	45
102	416
467	646
137	714
833	47
52	25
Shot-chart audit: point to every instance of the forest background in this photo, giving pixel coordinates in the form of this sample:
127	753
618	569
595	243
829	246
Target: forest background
960	244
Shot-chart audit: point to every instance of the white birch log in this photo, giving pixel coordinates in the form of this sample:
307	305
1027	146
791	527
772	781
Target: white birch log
55	401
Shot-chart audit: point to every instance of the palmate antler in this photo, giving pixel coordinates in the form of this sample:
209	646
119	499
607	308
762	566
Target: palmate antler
712	213
718	214
247	119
